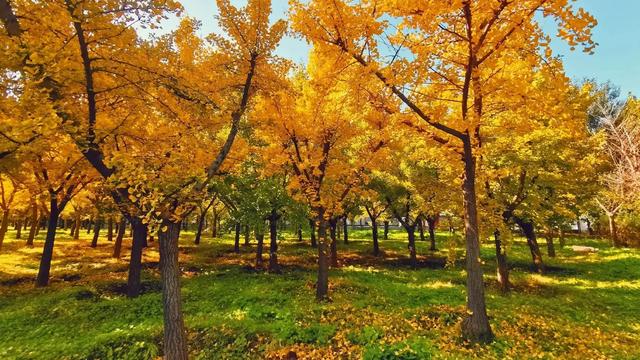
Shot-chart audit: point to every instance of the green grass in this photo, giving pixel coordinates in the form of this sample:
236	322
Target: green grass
586	306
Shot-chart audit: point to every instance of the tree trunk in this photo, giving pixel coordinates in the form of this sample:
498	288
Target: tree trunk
345	230
322	284
247	233
4	225
273	243
413	261
300	233
530	234
312	225
561	239
89	224
613	230
96	232
501	259
551	250
201	218
386	230
175	342
333	225
421	230
135	263
374	234
73	228
589	228
34	226
432	233
76	230
236	243
259	247
47	251
214	224
110	229
476	326
117	246
19	229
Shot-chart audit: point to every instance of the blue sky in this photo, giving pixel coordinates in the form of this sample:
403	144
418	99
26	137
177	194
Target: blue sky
617	58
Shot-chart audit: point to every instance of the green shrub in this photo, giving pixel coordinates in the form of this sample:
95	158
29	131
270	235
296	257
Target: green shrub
412	349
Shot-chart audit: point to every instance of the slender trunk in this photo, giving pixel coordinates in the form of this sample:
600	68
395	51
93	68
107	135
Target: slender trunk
203	215
312	225
476	326
73	228
236	243
4	225
530	234
432	233
561	239
96	232
175	341
214	224
259	247
273	243
386	230
300	233
374	234
117	246
34	226
76	231
322	284
579	226
413	261
501	259
589	228
551	250
89	224
421	230
110	229
345	230
613	230
19	229
47	252
247	233
135	263
333	225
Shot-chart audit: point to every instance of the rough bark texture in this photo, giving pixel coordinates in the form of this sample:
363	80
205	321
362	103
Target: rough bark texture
175	341
502	267
203	214
47	251
236	242
476	326
322	284
135	263
529	232
374	235
117	246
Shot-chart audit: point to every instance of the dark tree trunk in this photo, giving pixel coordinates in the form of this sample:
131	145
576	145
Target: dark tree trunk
421	230
47	252
89	225
19	229
135	263
201	218
259	249
4	226
501	259
312	226
76	230
236	242
475	327
214	224
273	243
413	261
589	228
73	228
386	230
300	233
529	232
374	234
175	341
34	227
96	232
322	284
333	225
110	229
345	230
561	239
431	222
117	246
247	233
551	250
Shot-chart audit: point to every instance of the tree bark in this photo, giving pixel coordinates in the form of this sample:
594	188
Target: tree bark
110	229
19	229
476	326
117	246
386	230
273	243
76	230
345	230
259	249
333	225
175	341
4	226
300	233
247	233
322	284
530	235
613	230
96	232
214	224
135	263
561	239
431	222
236	243
413	261
421	230
551	250
47	251
34	226
312	226
374	234
501	259
201	218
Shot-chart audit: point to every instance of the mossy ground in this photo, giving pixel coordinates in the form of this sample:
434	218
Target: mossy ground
585	306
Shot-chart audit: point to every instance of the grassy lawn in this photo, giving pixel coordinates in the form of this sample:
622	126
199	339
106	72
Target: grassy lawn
586	306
